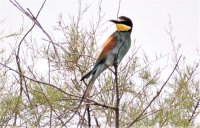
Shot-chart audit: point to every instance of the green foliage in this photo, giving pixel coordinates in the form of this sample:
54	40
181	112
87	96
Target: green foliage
49	96
9	105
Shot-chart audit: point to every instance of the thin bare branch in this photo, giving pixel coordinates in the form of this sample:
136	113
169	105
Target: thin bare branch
29	14
39	82
118	10
194	111
158	93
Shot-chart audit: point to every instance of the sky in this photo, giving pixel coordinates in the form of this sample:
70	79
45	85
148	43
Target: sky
150	21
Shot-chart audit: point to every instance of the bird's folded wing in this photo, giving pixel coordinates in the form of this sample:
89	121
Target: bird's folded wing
106	48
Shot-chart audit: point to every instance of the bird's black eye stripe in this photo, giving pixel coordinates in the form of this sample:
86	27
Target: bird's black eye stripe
123	22
126	23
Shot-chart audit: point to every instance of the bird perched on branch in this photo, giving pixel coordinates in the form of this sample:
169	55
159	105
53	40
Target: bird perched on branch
112	51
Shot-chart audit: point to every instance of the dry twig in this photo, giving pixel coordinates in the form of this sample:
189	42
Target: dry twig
158	93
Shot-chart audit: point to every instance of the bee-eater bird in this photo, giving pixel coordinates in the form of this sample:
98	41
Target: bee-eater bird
112	51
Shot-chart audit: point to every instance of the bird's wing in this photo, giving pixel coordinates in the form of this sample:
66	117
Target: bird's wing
106	47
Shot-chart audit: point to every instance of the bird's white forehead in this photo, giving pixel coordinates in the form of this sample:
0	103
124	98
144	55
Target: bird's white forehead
120	19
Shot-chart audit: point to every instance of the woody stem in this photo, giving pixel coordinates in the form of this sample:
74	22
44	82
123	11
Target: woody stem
117	97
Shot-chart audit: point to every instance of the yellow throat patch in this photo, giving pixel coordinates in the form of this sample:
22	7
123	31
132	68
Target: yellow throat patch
122	27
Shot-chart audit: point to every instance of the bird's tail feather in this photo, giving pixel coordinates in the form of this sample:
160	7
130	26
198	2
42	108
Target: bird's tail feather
95	72
89	86
87	75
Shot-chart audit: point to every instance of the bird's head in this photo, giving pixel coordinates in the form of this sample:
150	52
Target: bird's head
123	24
